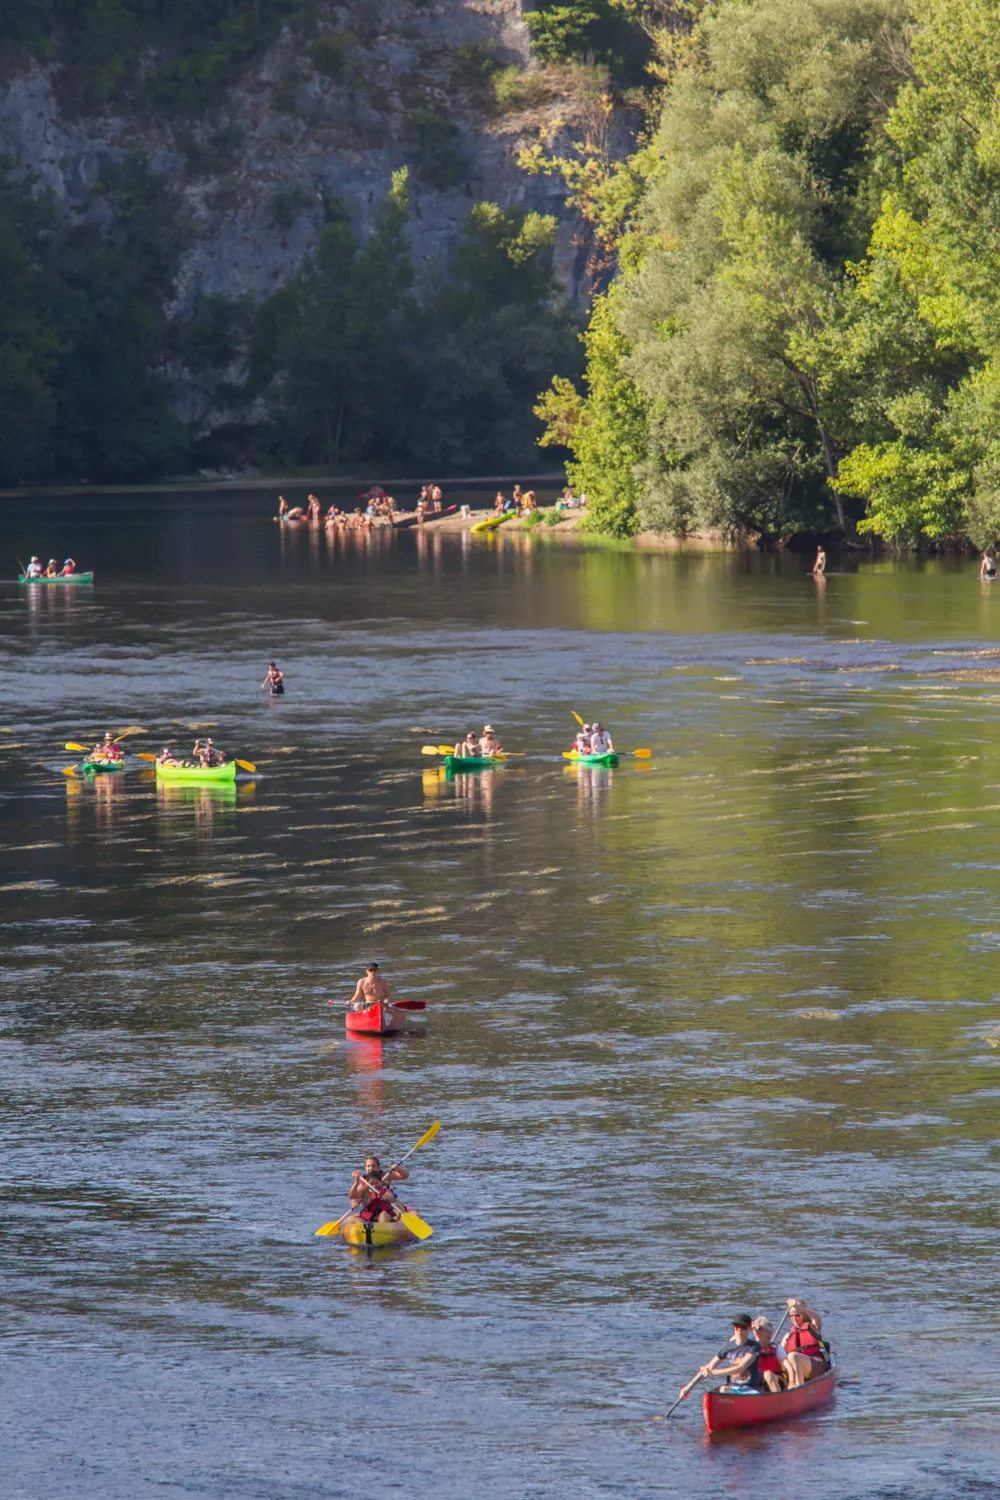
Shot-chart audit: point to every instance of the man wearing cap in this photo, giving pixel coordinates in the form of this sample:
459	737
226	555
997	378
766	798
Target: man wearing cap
489	744
68	568
370	988
34	569
740	1366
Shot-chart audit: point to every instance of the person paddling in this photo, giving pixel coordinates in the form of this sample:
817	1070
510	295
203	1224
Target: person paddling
601	742
274	682
807	1355
488	743
107	750
739	1366
583	742
68	568
369	990
371	1192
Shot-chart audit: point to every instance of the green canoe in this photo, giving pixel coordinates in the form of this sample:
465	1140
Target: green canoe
96	766
610	759
473	762
59	578
191	774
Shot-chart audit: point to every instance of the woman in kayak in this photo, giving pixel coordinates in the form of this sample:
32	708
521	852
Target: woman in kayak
68	568
107	750
274	682
52	571
770	1359
468	746
807	1356
371	1192
740	1366
583	742
167	757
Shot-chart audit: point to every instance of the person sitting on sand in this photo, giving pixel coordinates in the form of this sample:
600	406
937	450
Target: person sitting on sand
468	746
488	742
370	989
274	682
371	1192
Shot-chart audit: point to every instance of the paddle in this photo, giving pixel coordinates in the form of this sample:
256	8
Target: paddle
69	770
692	1383
576	717
407	1004
145	755
72	745
450	750
332	1228
246	765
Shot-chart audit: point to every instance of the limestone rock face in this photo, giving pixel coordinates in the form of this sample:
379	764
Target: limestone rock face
258	171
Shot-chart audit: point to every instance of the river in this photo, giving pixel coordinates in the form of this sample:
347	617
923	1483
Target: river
702	1031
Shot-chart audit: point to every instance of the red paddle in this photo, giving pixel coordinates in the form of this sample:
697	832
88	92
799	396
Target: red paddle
408	1004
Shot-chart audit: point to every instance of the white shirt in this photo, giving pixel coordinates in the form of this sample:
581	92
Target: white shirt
35	570
601	744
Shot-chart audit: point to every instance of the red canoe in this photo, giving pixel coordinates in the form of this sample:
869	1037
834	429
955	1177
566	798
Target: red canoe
723	1412
377	1020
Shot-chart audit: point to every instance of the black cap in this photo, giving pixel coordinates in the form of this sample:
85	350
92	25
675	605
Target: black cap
743	1320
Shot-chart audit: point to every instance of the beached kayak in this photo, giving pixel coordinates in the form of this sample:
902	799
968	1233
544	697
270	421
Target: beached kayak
473	762
194	774
59	578
610	759
92	767
376	1020
724	1412
492	522
356	1232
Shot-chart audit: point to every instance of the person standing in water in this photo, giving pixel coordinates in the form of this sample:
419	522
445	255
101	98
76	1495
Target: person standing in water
819	566
988	566
274	682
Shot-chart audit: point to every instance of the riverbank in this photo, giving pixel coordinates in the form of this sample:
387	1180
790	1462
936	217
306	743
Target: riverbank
570	526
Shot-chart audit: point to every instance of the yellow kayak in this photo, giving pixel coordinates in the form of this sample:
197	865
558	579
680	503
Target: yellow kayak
356	1232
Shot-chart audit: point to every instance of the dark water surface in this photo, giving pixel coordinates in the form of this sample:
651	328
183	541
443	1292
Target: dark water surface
700	1033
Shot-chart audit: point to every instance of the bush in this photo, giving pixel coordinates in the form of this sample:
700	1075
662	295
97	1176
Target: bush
585	30
330	54
514	89
473	64
439	146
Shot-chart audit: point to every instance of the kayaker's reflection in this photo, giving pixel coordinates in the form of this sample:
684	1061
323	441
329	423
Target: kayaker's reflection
476	791
592	784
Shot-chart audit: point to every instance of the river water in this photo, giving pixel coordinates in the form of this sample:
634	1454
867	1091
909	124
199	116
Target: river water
701	1032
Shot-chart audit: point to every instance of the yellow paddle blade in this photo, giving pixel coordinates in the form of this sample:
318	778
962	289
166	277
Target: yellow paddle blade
123	734
643	754
429	1135
69	770
416	1225
433	750
576	717
246	765
144	755
445	749
332	1227
71	746
569	755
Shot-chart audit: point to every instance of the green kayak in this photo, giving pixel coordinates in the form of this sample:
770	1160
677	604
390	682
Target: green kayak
59	578
93	767
610	759
192	774
454	763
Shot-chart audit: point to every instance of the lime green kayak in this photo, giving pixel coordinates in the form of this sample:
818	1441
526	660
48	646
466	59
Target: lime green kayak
59	578
454	763
190	774
610	759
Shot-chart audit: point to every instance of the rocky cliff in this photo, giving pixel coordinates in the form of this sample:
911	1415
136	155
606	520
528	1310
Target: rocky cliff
323	114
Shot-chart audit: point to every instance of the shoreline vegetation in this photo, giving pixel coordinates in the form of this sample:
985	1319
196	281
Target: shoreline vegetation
788	247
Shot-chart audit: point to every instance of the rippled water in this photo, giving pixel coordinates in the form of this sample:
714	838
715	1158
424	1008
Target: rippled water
701	1032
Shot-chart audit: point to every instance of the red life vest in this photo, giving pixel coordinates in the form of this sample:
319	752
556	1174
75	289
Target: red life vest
375	1207
803	1339
769	1360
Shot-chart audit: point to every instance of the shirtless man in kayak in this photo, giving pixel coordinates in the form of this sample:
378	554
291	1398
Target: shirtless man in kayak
489	744
370	988
371	1192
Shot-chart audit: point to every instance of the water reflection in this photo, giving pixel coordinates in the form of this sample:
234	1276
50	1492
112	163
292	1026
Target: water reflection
206	810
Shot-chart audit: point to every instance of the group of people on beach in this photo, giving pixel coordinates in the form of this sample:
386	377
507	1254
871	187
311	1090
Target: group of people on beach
520	502
376	508
52	570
